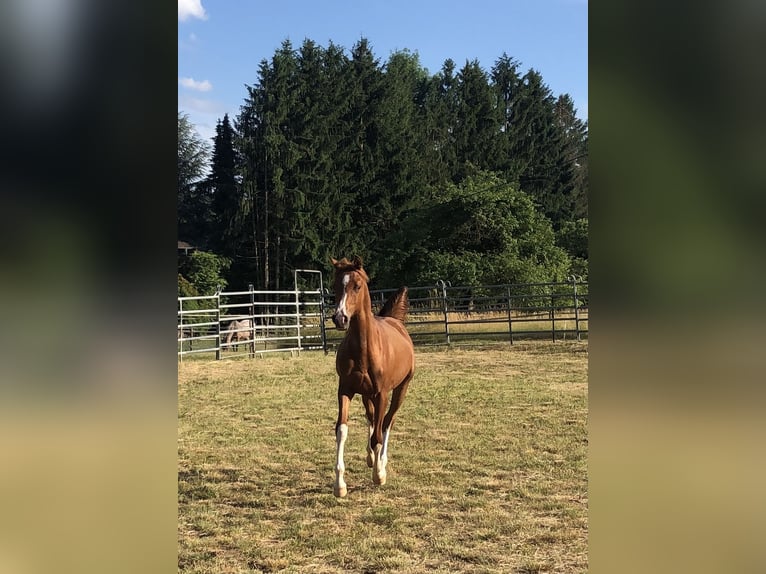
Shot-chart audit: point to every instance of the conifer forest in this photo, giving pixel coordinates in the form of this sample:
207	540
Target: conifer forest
469	175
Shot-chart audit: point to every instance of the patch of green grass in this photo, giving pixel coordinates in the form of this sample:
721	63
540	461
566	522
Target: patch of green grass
487	466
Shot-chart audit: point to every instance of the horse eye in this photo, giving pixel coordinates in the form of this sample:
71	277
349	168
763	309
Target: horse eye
357	287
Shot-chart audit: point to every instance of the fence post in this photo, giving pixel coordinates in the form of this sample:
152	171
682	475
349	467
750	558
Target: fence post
510	320
443	285
181	327
553	313
576	310
251	288
218	325
298	316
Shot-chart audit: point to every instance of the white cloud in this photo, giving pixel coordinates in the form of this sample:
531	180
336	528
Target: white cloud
189	43
191	9
201	106
192	84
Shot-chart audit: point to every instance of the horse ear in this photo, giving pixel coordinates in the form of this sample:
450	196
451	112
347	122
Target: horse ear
334	261
357	262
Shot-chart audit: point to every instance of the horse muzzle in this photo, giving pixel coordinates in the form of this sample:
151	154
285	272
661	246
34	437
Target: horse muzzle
341	320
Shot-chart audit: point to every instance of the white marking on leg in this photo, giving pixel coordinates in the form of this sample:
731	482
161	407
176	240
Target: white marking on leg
340	489
378	469
369	448
384	452
380	459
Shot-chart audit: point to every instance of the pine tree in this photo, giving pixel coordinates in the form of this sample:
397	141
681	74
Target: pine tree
335	150
477	130
574	133
323	173
252	150
538	146
506	83
193	205
400	178
268	157
226	197
363	154
438	117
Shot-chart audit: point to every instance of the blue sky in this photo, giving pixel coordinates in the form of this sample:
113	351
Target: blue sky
222	42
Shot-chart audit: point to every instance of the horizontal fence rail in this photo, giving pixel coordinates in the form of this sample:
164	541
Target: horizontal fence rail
445	315
250	323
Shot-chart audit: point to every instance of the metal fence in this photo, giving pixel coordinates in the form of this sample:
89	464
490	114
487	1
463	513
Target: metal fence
250	323
443	314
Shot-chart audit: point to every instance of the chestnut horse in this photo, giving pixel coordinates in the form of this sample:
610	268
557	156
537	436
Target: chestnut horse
376	360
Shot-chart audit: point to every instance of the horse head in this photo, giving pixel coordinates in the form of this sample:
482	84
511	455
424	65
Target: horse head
351	294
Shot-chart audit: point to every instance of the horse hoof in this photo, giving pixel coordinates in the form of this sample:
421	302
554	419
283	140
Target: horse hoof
379	479
369	460
340	492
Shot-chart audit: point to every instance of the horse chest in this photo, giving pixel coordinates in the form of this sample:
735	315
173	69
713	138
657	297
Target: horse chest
357	382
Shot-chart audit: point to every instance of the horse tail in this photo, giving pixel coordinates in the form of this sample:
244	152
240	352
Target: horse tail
397	305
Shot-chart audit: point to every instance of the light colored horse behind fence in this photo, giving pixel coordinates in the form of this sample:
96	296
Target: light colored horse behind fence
240	330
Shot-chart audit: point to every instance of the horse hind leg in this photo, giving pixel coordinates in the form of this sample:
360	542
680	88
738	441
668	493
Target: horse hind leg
369	410
397	398
376	440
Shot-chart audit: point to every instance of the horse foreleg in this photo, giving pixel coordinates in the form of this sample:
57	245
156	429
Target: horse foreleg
369	410
341	433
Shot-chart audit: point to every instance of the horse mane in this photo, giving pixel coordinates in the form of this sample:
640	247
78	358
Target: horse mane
346	266
397	305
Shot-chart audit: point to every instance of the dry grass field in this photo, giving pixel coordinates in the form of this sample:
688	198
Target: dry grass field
487	468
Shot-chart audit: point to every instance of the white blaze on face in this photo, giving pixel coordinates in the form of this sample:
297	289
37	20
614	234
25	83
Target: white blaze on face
342	304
